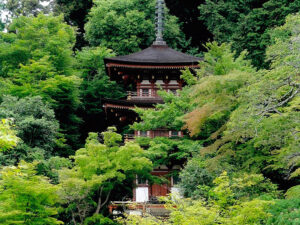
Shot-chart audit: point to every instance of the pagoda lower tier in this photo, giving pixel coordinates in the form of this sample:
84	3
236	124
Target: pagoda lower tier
147	196
121	114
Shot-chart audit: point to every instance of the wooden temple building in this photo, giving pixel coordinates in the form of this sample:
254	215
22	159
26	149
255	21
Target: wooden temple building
143	74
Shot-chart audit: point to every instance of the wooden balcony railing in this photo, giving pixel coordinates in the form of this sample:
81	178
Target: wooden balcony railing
133	95
154	134
129	137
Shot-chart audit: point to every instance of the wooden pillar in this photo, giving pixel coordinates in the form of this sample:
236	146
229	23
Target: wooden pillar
138	88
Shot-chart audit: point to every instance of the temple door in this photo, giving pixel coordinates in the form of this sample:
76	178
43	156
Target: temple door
159	190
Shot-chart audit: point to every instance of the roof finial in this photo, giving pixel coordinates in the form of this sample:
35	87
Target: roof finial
159	22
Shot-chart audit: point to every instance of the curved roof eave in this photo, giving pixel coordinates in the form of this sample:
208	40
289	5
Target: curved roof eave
156	55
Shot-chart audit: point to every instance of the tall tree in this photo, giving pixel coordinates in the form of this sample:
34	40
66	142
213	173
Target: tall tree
1	15
36	56
18	8
98	168
95	86
31	38
188	14
128	26
246	23
8	138
27	198
75	13
261	133
35	124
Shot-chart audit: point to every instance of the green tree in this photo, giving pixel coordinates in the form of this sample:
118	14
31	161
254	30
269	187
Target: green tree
98	168
8	137
293	192
168	115
169	151
95	86
246	23
38	61
75	13
267	121
1	19
99	220
195	179
27	198
128	26
18	8
188	14
51	167
285	212
35	124
32	38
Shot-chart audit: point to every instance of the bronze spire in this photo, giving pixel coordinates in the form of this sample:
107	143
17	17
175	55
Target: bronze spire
159	22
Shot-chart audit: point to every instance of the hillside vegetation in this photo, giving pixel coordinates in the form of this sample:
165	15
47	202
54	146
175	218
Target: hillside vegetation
60	162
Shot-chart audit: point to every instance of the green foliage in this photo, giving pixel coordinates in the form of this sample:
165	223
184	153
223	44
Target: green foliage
166	115
167	151
62	92
8	138
128	26
99	220
34	38
26	198
220	60
18	8
250	118
250	186
35	125
246	23
96	83
34	120
50	167
75	13
98	168
215	96
221	209
2	25
138	220
195	179
264	127
36	57
285	212
293	192
5	85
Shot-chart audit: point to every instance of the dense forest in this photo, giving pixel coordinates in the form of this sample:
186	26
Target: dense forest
61	162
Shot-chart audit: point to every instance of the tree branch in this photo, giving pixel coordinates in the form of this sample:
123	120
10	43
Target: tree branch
99	201
107	197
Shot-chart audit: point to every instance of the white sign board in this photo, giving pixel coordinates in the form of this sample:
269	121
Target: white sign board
142	194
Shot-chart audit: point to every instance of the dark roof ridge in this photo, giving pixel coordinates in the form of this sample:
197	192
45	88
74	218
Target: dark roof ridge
157	54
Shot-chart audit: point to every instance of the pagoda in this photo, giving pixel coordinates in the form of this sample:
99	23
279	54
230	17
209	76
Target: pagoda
143	74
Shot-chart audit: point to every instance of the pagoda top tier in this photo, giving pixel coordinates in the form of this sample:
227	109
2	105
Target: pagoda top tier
156	55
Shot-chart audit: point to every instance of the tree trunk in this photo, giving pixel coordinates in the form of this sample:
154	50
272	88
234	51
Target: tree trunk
73	219
99	201
100	204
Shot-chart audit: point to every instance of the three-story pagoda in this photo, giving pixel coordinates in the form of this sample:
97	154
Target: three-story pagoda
143	74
